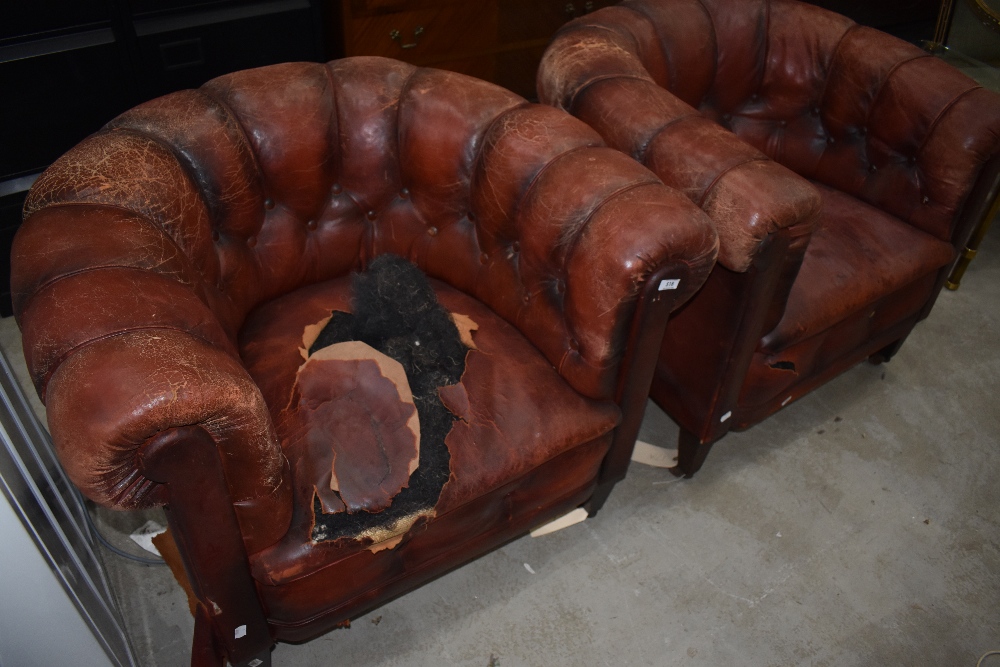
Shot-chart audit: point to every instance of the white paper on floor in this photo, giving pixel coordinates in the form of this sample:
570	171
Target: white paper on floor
651	455
144	534
566	520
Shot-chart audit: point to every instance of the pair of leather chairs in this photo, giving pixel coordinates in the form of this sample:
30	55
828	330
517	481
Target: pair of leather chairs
175	269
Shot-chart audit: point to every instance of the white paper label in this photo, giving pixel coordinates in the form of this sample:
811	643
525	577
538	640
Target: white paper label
726	416
669	284
241	631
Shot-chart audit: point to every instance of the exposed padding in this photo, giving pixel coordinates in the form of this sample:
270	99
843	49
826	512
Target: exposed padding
395	312
520	412
112	395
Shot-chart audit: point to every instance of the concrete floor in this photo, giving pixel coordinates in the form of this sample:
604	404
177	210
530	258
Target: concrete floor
859	526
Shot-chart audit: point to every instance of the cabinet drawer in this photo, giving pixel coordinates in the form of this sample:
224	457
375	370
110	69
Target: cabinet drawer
423	36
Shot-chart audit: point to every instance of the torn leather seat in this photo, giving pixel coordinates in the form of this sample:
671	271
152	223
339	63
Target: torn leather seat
843	169
173	273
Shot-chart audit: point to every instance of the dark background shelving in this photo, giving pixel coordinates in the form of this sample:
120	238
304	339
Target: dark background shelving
69	66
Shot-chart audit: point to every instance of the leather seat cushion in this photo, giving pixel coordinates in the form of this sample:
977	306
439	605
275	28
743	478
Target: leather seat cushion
520	415
856	256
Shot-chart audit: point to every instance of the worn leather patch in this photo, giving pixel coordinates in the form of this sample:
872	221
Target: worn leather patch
355	403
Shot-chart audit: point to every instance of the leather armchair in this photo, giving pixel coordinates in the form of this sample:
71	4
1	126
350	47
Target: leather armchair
171	266
842	168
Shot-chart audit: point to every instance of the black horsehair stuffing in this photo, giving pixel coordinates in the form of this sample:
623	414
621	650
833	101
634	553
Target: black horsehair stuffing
396	312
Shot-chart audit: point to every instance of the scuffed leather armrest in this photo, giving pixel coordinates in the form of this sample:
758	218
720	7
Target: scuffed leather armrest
576	229
121	345
596	74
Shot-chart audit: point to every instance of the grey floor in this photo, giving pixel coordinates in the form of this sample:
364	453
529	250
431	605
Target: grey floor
859	526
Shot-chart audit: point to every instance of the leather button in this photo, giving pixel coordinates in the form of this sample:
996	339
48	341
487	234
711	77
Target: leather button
311	225
371	215
574	345
912	159
404	193
515	246
925	199
432	231
336	189
814	111
872	168
471	216
526	298
215	234
483	258
727	117
269	204
783	123
830	140
560	286
252	241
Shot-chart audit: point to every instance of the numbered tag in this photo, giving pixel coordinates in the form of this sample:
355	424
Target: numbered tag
672	283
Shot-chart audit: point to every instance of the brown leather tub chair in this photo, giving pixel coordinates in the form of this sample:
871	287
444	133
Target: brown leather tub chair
174	269
841	166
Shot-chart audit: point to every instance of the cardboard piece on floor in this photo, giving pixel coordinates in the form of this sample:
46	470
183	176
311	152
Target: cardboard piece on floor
566	520
167	547
651	455
144	534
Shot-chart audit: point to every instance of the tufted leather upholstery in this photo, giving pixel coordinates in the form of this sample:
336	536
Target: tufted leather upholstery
148	248
741	104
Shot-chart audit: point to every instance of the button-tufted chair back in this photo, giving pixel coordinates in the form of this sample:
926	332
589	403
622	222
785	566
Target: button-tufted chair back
263	193
800	84
161	232
843	169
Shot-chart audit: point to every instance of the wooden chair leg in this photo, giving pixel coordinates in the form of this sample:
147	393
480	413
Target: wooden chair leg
597	500
691	454
886	353
205	651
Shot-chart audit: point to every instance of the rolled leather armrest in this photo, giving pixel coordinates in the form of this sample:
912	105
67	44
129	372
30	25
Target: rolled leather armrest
114	394
597	75
122	345
581	228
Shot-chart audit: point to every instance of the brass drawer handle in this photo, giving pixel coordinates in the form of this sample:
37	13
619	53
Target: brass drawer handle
396	36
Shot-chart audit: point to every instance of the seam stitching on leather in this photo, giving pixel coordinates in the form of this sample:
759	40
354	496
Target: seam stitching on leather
718	177
104	267
480	167
885	80
62	358
715	44
941	114
826	84
242	130
138	216
644	149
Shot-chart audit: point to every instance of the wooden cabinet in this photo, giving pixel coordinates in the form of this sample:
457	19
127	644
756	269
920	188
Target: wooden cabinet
497	40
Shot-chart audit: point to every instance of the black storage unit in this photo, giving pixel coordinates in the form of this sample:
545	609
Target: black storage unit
69	66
